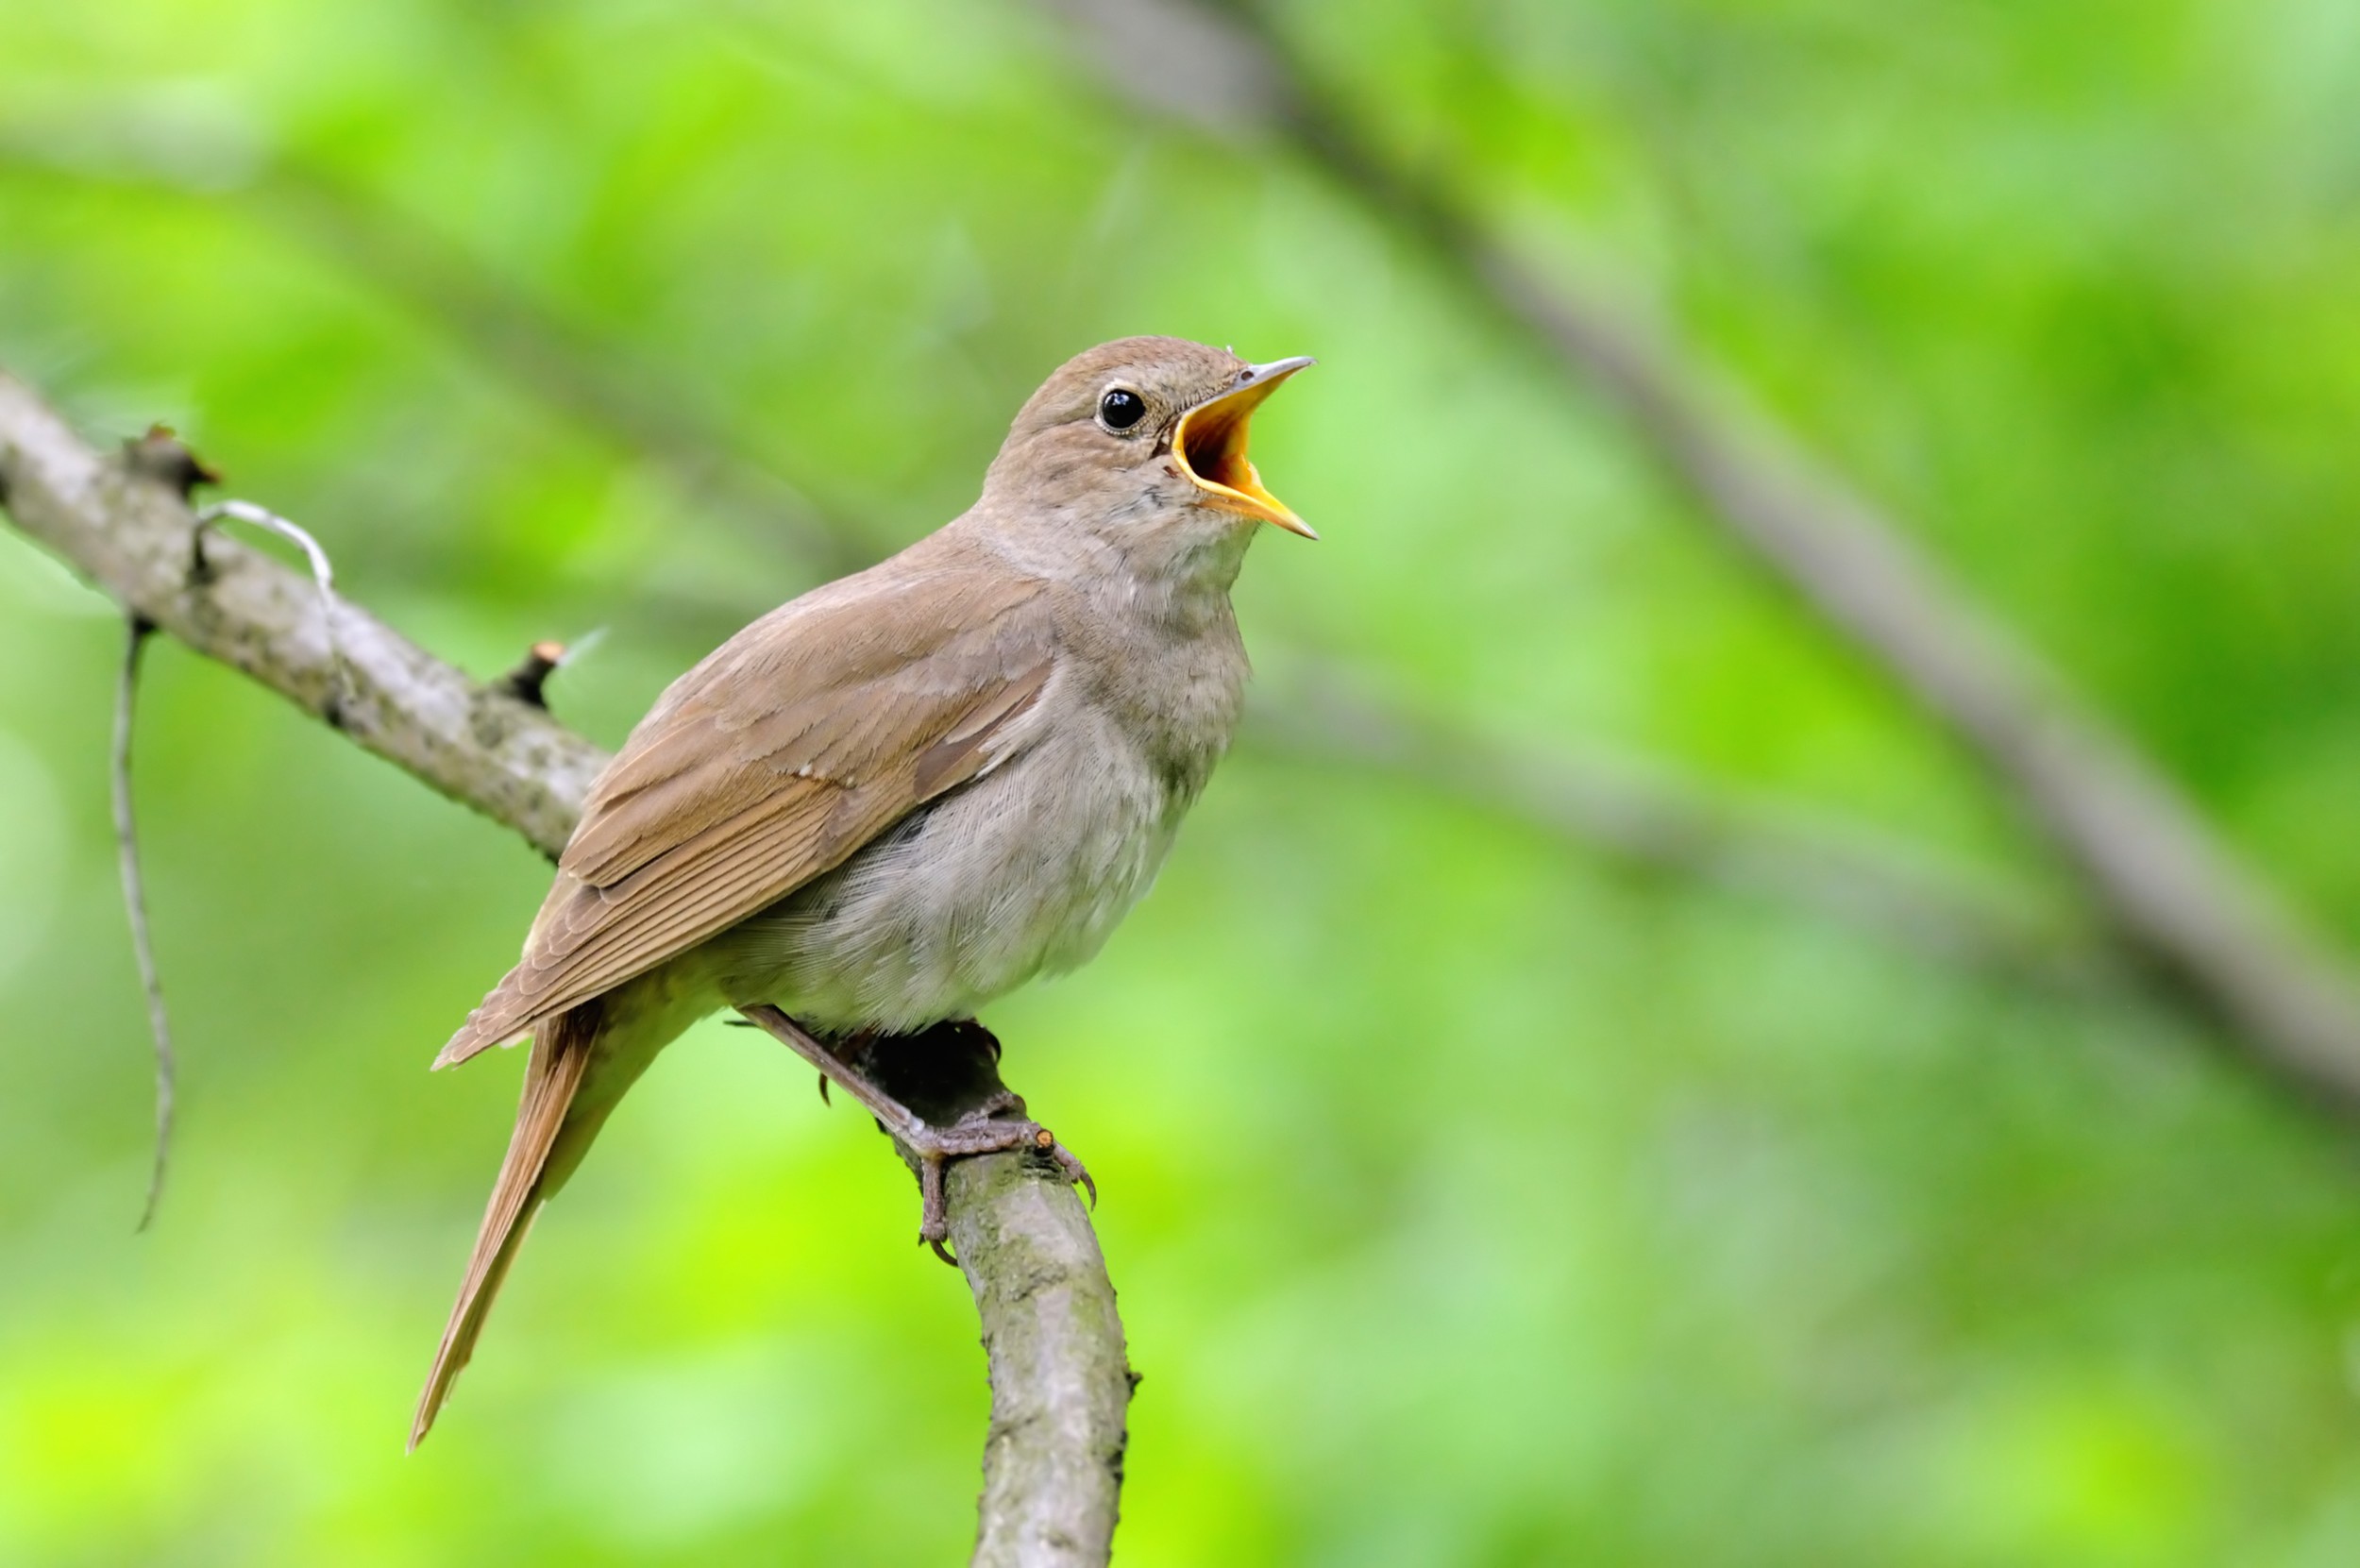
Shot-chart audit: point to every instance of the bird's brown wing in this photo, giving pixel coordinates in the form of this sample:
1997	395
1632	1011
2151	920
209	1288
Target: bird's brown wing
792	745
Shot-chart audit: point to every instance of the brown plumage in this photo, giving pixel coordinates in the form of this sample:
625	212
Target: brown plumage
766	765
909	790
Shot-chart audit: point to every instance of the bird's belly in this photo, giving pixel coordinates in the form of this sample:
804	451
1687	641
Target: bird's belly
1024	871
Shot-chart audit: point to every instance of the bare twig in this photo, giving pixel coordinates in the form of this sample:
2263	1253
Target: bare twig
323	574
135	633
528	682
1024	1243
2166	884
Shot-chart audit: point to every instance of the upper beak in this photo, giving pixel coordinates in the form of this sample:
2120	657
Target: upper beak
1209	441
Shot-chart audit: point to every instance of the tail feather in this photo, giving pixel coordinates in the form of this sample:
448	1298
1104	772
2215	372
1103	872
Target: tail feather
560	1056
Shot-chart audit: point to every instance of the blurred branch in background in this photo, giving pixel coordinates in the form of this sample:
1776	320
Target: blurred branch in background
1638	815
1651	817
1052	1461
2164	883
599	384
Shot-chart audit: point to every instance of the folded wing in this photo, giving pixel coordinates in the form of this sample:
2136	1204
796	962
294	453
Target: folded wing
791	746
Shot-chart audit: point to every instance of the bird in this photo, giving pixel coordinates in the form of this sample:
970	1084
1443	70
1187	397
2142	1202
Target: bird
907	791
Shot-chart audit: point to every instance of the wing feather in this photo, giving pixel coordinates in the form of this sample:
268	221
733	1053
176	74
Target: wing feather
769	764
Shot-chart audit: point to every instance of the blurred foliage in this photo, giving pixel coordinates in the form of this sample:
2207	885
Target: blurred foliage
1472	1202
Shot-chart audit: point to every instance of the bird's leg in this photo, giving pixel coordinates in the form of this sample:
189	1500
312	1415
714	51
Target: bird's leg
951	1072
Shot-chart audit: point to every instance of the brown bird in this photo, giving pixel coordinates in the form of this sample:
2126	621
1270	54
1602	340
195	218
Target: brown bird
906	792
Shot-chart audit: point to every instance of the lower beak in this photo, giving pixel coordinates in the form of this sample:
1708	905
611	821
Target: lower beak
1209	441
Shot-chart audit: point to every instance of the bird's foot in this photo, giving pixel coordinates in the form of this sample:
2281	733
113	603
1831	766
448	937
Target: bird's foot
973	1112
982	1131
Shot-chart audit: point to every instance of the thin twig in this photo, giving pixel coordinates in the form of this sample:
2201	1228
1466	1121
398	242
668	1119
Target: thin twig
528	682
322	575
137	631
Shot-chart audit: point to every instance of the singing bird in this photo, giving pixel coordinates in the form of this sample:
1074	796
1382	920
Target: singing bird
908	791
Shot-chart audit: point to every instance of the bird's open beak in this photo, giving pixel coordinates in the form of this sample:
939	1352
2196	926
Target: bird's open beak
1209	441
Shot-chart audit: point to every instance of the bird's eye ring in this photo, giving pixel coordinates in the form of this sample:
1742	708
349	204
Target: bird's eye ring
1120	409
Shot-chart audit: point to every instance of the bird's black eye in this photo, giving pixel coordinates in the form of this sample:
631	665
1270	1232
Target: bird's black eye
1120	409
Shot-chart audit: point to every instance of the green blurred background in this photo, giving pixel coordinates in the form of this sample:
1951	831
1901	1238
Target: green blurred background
1474	1197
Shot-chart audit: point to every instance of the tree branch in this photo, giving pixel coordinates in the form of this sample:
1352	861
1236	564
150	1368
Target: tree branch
1051	1462
2170	889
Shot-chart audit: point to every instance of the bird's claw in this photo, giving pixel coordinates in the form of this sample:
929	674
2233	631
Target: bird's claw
978	1133
1069	1165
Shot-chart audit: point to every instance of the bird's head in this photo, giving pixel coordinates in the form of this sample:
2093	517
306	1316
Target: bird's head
1143	439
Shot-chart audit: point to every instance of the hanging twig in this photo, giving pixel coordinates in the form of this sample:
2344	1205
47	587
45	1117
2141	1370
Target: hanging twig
185	474
135	904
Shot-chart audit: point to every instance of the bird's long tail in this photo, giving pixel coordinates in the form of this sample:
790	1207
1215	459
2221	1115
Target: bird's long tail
561	1051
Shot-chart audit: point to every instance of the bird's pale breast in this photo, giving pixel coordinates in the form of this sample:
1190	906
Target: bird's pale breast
1026	870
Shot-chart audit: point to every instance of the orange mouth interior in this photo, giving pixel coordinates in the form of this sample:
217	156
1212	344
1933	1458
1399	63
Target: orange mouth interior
1210	445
